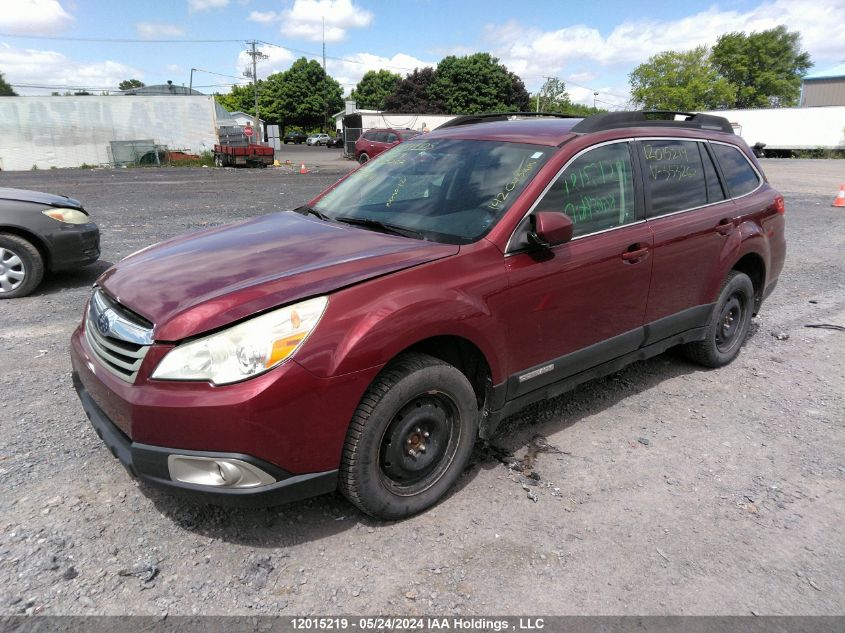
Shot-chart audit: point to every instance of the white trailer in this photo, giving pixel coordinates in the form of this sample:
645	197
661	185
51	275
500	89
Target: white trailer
790	128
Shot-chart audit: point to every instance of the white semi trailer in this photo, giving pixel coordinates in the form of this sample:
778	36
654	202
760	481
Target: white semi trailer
790	128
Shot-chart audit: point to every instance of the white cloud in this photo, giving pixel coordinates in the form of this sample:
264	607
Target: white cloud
49	68
532	53
204	5
264	17
34	17
155	30
348	71
305	19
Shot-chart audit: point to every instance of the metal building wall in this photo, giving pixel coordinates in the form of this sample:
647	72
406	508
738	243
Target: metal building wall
69	131
823	92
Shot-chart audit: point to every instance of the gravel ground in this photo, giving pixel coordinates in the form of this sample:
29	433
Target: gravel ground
663	489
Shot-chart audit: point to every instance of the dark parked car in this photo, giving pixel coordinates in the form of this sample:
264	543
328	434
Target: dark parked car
41	233
374	142
295	136
335	141
366	340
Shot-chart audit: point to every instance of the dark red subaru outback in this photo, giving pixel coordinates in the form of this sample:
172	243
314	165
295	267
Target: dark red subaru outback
364	341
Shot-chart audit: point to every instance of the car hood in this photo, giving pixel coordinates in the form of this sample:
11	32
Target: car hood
24	195
198	282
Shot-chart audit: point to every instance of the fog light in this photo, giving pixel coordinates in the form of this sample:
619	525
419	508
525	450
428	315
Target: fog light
220	472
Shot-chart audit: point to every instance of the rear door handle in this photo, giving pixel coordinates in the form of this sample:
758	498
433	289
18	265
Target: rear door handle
725	226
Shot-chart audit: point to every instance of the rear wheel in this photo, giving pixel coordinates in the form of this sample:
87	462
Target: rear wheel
218	160
728	325
410	438
21	266
363	158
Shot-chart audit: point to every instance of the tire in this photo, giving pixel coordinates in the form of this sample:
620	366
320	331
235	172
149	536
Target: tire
218	161
728	325
21	266
363	158
420	403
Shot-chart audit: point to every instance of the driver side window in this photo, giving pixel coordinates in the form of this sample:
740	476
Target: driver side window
596	190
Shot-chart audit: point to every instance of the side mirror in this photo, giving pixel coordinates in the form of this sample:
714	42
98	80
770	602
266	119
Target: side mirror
549	228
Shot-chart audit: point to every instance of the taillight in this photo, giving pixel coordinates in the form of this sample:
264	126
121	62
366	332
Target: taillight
780	206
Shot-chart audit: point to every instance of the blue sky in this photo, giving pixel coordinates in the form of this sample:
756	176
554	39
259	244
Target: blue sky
590	45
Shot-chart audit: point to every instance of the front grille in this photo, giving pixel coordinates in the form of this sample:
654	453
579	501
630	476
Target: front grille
117	337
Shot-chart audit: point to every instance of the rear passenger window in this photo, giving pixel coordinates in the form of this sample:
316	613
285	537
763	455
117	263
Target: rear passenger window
675	175
596	190
739	175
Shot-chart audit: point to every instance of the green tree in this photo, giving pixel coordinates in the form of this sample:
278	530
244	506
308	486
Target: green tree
413	94
374	88
128	84
240	98
303	96
683	81
477	83
6	89
764	68
553	97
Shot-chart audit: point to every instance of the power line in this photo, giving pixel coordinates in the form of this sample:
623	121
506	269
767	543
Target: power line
340	59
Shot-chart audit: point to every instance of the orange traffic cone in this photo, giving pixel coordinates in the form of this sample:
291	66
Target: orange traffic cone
302	169
839	200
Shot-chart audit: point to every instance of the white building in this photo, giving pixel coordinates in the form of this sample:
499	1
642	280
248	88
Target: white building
70	131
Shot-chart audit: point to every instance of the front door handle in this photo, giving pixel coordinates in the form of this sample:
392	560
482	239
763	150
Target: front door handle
635	253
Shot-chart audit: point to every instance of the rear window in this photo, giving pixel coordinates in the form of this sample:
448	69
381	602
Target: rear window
739	174
675	175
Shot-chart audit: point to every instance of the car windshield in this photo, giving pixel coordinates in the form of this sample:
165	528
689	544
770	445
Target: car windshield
450	191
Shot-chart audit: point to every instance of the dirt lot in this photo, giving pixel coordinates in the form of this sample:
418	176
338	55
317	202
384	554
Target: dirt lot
664	489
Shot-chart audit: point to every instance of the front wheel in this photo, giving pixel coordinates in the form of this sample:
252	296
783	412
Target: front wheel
21	266
728	325
410	438
363	158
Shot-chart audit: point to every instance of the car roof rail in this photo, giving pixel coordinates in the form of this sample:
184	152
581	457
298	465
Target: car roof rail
470	119
652	118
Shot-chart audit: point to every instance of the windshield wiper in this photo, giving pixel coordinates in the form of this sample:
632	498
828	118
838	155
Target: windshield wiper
381	226
306	210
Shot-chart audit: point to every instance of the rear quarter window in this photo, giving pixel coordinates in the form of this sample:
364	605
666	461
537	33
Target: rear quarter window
740	176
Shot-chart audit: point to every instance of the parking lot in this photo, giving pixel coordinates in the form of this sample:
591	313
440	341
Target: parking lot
663	489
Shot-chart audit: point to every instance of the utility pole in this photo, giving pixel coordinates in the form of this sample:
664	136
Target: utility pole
325	98
191	84
255	55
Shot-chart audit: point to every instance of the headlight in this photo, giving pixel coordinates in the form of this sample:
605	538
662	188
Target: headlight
245	350
68	216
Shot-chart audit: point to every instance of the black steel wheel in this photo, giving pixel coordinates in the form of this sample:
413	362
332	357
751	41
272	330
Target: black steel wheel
410	437
728	325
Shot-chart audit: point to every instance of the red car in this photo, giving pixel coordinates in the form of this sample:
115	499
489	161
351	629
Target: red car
374	142
364	341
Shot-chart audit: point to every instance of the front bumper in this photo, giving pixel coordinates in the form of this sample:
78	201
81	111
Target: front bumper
150	464
73	245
